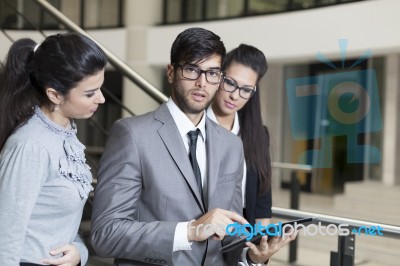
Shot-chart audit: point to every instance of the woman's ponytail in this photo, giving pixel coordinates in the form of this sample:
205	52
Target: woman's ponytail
17	95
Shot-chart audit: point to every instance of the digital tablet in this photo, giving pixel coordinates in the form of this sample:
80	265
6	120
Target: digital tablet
240	239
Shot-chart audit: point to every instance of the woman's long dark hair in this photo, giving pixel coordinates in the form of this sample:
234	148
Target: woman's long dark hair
60	62
254	135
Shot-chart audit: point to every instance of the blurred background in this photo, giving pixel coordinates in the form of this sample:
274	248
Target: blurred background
330	97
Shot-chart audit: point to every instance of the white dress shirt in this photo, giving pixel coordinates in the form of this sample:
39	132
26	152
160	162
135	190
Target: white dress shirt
185	125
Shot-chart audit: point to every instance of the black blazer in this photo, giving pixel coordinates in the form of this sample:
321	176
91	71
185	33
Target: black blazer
256	206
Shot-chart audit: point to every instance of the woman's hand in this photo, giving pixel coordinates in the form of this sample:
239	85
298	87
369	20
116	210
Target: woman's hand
71	256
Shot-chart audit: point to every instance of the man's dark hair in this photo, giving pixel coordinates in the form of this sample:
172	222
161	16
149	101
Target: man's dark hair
195	45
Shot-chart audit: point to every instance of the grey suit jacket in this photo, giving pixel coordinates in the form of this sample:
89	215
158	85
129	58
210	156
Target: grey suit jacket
146	186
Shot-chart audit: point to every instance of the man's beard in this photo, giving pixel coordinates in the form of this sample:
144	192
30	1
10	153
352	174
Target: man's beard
186	105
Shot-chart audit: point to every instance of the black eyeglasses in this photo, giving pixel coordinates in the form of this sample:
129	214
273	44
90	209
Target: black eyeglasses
192	72
245	92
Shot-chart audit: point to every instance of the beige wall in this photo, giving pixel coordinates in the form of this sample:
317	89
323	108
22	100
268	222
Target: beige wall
140	16
298	36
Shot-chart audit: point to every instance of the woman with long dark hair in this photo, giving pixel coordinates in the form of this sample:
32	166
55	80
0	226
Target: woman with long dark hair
44	180
236	107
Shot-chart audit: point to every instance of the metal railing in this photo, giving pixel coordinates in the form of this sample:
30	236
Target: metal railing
390	230
346	244
120	65
294	195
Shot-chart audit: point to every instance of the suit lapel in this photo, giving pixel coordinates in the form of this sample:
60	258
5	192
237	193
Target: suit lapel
170	135
213	158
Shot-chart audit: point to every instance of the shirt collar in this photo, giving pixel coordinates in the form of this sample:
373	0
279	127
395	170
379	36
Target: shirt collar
236	127
183	122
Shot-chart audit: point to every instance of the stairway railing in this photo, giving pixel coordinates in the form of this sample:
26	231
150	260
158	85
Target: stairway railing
116	62
120	65
344	256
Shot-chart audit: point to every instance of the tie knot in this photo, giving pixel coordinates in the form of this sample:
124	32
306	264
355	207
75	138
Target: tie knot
193	134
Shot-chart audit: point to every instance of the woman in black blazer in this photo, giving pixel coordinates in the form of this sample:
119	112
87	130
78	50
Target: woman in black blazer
236	107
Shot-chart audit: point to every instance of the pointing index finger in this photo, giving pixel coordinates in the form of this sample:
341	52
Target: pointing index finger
236	217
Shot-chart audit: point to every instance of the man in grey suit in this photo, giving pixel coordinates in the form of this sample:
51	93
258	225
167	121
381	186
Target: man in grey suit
155	205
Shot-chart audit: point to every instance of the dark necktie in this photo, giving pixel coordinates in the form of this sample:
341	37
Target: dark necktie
193	158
